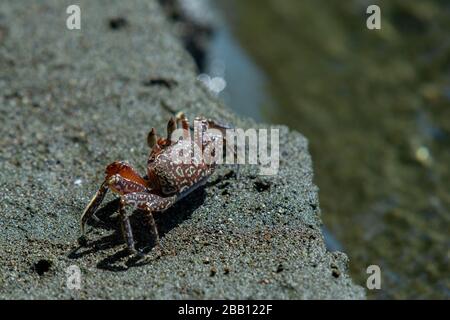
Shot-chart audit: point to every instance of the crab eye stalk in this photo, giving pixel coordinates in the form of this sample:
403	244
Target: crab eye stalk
180	115
151	138
171	127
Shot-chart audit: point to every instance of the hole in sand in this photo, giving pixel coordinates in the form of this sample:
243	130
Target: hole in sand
261	186
117	23
42	266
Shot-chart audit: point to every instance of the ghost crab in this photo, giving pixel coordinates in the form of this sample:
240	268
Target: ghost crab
166	182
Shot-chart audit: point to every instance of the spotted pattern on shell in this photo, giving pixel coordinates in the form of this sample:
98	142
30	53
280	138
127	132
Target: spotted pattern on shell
167	180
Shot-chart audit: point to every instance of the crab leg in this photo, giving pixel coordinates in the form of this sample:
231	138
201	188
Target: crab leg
93	205
150	203
223	127
153	225
219	125
121	178
126	227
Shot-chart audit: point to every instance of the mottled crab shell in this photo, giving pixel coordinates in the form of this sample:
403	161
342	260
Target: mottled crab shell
176	177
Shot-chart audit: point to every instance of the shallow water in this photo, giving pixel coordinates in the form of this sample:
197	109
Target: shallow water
375	106
245	90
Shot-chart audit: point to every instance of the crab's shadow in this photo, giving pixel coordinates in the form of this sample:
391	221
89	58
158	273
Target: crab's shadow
144	239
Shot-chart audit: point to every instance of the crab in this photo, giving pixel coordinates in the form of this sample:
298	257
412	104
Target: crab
166	182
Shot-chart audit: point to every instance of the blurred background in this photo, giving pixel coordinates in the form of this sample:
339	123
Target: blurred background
374	104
